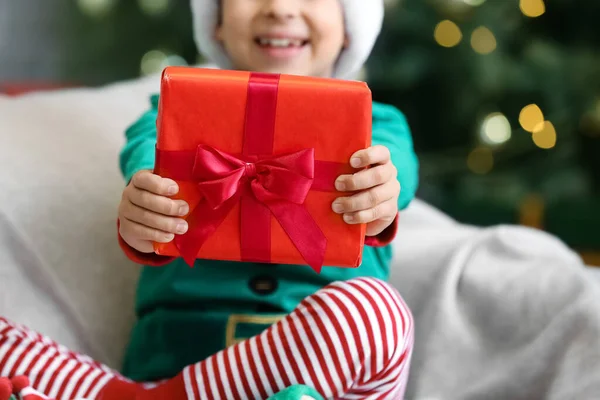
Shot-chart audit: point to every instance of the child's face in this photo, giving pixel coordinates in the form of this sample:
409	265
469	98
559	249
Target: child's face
299	37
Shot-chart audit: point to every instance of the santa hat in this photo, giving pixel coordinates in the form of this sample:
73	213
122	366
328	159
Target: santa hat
363	24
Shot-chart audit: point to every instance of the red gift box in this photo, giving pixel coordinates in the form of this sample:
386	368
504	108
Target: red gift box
256	157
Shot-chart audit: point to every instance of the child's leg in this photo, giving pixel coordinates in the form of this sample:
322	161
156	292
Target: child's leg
51	368
349	340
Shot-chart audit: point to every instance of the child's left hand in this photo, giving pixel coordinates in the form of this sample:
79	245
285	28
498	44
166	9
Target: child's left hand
377	203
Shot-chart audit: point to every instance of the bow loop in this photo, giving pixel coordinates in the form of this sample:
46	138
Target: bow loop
288	177
220	175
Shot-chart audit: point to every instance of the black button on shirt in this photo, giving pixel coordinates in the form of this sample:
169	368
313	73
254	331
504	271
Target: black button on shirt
263	285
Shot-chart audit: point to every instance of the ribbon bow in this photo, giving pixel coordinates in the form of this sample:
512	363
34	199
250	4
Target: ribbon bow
279	182
288	177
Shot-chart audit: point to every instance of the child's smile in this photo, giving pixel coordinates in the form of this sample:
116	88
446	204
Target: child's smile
282	46
282	36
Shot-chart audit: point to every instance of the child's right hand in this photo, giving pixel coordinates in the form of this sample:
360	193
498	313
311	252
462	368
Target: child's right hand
147	214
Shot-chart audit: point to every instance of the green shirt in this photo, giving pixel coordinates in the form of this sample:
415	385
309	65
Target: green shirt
187	314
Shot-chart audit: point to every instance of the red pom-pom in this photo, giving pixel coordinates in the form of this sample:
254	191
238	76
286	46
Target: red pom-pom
19	383
5	389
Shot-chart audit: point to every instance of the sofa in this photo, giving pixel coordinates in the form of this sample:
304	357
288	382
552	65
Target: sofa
62	272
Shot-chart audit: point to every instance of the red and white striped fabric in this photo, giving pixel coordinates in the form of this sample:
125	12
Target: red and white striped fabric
21	387
50	367
350	340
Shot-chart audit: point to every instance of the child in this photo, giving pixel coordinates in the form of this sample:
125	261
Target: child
225	330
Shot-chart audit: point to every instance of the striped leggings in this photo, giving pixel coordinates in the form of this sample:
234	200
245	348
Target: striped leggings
350	340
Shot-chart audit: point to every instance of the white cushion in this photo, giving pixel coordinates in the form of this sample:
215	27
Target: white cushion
61	269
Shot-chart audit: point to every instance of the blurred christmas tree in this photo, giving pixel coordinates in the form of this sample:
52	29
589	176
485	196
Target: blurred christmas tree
113	40
503	96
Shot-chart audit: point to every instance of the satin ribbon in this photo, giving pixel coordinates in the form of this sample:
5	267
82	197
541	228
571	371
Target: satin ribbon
265	184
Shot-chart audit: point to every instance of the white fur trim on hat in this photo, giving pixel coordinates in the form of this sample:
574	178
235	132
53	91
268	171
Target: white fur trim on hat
363	24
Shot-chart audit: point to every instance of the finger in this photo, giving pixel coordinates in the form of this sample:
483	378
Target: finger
367	178
154	220
153	183
385	210
376	227
373	155
158	204
367	199
132	229
143	246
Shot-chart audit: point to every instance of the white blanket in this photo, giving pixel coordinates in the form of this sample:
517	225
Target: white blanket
502	313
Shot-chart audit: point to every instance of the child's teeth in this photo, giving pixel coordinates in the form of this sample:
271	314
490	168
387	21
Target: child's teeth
280	42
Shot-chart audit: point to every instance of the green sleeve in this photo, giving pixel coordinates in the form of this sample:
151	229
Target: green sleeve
390	129
139	150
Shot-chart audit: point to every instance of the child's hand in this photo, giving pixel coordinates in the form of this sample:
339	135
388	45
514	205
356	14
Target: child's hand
377	203
147	215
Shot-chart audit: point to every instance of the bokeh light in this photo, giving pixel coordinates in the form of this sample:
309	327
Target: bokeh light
154	8
532	8
495	129
96	8
530	117
154	61
474	3
544	135
483	40
480	160
447	34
